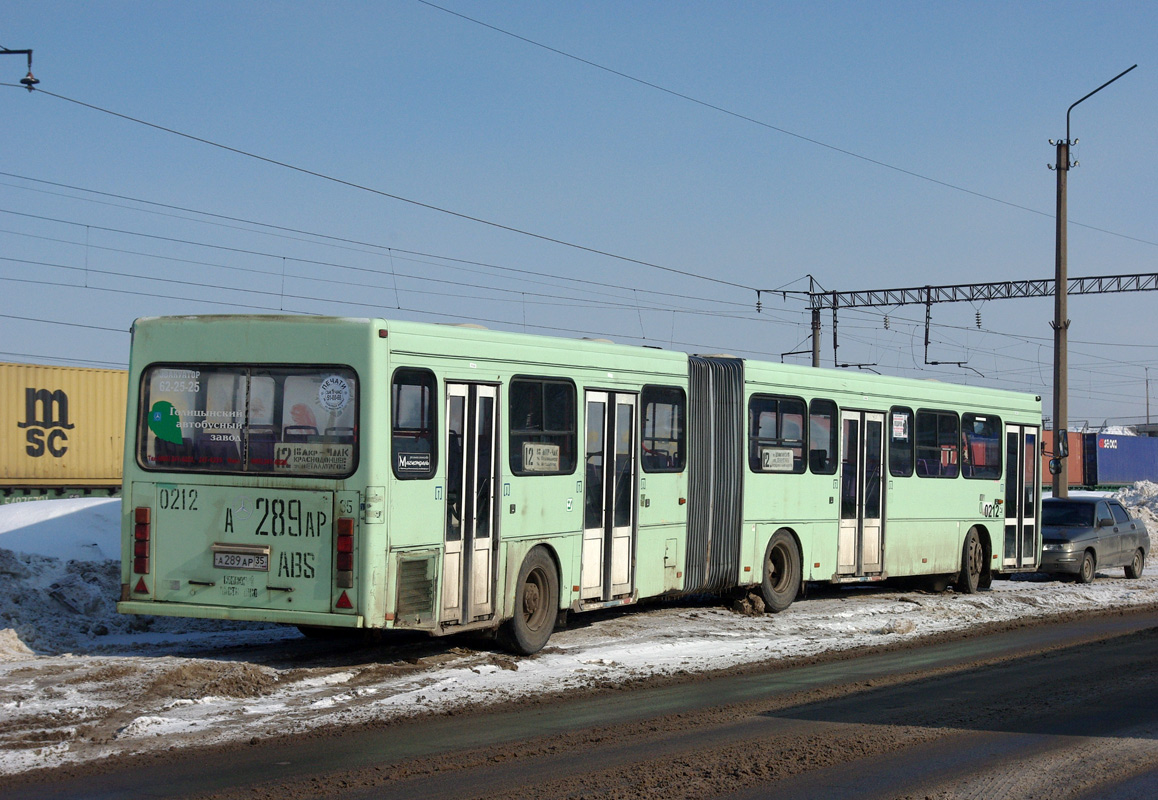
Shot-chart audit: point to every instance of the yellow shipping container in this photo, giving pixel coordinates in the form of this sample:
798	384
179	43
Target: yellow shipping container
64	427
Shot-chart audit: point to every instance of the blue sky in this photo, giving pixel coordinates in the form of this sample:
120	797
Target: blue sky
869	145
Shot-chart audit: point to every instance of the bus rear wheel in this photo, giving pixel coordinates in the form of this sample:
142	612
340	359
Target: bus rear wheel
536	605
972	564
781	573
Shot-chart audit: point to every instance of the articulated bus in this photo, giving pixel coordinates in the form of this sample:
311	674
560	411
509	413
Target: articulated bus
336	473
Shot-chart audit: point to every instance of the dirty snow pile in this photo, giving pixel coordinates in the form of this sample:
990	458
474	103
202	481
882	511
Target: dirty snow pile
78	681
60	578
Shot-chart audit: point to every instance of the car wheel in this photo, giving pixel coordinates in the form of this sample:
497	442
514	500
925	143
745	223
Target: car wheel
780	581
1134	568
972	562
1086	573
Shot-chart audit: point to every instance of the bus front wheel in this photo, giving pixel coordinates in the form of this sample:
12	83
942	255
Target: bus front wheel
536	605
781	573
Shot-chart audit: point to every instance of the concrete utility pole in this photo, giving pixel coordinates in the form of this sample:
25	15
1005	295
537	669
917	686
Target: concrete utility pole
1061	322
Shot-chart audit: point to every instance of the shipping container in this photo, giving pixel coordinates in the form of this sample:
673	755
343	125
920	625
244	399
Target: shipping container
1112	460
63	431
1075	469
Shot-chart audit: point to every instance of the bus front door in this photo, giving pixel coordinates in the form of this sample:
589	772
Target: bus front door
1021	466
860	545
467	580
609	496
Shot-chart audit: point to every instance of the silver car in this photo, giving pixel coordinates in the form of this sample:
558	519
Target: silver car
1080	535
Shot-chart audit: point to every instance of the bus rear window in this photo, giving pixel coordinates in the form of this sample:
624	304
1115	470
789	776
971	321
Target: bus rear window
283	420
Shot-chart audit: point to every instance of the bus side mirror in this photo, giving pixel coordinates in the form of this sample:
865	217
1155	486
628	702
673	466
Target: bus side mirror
1061	443
1055	466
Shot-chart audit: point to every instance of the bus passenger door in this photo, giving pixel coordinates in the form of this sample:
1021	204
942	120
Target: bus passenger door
1021	465
467	582
610	464
860	545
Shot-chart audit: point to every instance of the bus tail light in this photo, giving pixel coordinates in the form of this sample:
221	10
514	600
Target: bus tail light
142	532
344	562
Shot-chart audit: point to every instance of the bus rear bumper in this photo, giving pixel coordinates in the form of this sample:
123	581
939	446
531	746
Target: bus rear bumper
319	619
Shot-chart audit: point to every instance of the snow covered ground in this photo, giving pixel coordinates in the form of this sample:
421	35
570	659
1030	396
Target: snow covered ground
78	681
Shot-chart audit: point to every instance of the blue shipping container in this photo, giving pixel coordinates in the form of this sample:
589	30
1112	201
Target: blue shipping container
1124	459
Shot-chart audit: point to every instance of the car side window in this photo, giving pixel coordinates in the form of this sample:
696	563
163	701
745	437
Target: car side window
1102	514
1120	515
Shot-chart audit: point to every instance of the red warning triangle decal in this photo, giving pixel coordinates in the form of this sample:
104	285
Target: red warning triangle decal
343	602
141	588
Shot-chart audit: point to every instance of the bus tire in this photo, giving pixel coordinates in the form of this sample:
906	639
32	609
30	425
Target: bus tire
780	575
972	564
536	605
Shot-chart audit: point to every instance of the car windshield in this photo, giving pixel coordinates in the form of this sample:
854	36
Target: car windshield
1067	514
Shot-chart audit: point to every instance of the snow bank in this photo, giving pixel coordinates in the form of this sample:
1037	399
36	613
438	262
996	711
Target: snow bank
60	581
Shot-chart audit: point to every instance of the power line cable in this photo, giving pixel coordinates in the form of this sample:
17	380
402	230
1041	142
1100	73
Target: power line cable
375	248
768	126
381	193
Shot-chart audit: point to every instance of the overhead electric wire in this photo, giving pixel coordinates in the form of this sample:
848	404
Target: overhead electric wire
770	319
376	249
119	364
381	193
769	126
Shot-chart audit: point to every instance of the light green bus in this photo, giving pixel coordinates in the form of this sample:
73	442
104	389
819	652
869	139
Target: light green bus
339	473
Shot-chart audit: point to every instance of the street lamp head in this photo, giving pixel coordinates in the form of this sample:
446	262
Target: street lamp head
29	81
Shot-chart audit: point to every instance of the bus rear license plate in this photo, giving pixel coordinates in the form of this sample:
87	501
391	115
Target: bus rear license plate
254	561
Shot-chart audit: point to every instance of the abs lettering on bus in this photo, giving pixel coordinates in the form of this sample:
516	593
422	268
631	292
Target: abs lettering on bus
295	565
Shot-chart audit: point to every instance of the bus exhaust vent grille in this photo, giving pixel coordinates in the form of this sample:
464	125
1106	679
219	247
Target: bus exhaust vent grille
416	591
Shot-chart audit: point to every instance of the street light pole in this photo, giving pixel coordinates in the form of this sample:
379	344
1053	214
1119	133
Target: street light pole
1061	322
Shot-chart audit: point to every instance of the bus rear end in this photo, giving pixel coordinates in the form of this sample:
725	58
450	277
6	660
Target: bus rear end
241	458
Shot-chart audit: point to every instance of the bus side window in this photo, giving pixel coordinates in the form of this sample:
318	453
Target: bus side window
662	429
938	440
413	428
822	433
981	446
900	442
543	426
775	434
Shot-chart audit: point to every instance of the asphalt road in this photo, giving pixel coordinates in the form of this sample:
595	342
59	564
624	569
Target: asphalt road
1057	710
